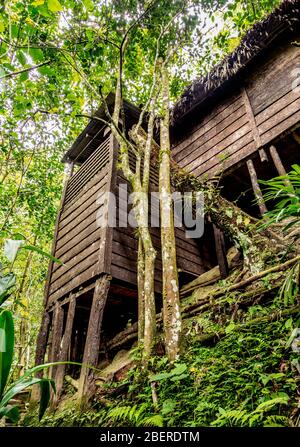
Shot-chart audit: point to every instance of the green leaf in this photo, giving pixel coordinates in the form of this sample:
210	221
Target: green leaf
6	283
17	387
179	369
292	337
176	373
11	247
181	377
21	57
54	5
161	376
36	54
11	412
229	213
46	71
7	335
45	396
43	253
168	406
282	399
231	327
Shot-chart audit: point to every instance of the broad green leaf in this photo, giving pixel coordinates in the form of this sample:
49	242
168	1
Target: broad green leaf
179	369
11	412
11	247
21	57
6	347
36	54
176	373
180	377
45	396
54	5
168	406
17	388
161	376
6	283
42	252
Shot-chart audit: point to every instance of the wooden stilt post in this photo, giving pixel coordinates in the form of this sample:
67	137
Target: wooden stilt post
65	346
221	252
41	347
278	163
256	187
42	340
57	329
263	155
92	343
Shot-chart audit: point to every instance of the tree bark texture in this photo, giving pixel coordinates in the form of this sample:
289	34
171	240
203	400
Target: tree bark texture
171	301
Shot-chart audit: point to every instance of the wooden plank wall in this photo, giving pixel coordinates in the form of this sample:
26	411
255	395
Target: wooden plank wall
226	135
79	236
190	257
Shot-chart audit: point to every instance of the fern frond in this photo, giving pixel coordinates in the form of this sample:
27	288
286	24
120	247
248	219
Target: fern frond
155	420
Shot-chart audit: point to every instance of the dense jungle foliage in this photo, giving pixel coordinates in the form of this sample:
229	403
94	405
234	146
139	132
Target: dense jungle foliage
249	378
55	57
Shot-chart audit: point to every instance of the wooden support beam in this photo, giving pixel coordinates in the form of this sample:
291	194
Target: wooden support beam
57	329
251	119
263	155
40	352
221	252
256	187
65	348
278	164
92	343
42	340
66	300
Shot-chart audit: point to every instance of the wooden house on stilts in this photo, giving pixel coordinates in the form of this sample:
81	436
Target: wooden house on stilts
240	123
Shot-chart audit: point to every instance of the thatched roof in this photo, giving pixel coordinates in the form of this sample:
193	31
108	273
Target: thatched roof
284	19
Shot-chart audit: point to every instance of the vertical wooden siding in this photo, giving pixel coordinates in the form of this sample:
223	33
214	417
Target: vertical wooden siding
79	237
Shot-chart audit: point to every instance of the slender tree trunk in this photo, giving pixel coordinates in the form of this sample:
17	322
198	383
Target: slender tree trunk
149	296
171	301
146	254
23	328
141	294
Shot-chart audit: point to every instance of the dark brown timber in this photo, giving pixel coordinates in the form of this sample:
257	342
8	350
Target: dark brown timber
221	252
256	187
92	343
57	329
65	347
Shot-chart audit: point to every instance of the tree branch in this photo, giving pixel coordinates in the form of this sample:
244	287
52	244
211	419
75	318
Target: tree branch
25	70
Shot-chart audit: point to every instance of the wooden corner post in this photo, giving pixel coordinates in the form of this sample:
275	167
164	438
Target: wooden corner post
65	348
57	330
92	343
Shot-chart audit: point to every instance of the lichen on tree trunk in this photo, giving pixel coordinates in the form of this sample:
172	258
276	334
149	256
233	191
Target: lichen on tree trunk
171	300
139	181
